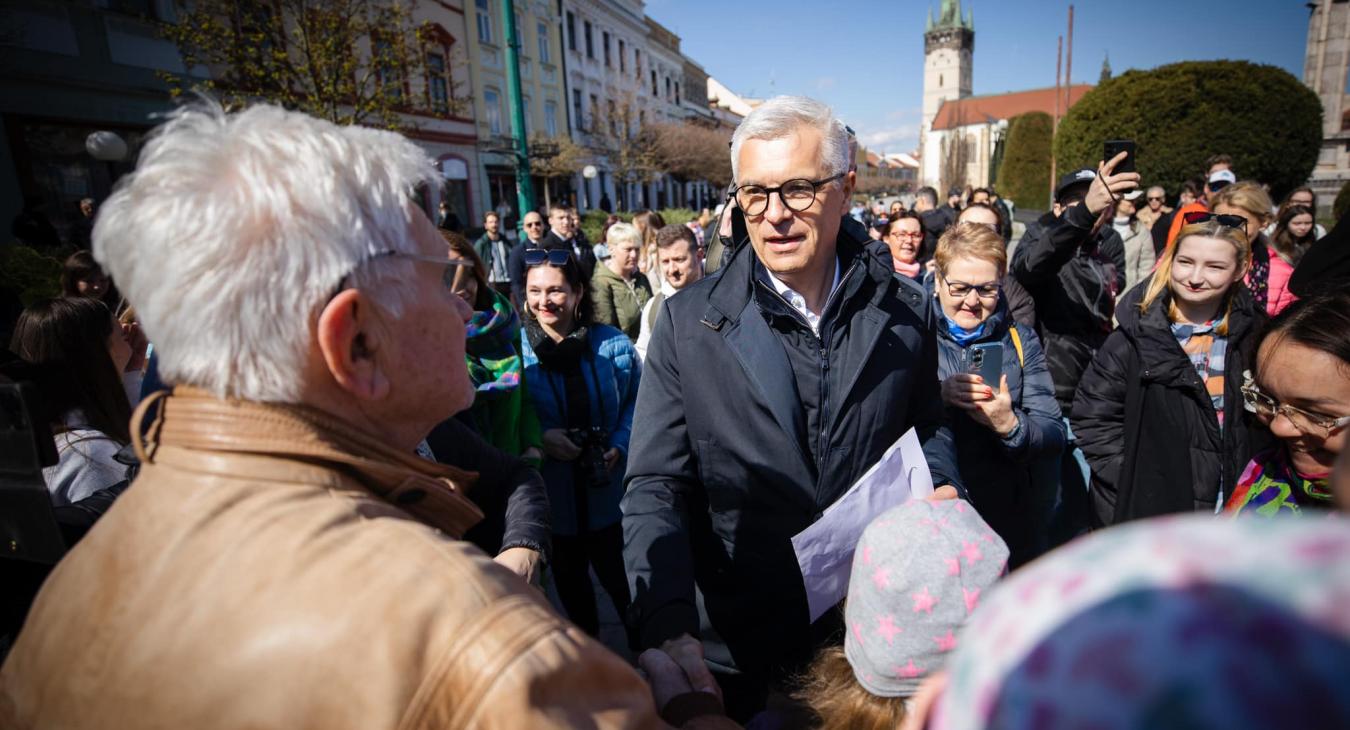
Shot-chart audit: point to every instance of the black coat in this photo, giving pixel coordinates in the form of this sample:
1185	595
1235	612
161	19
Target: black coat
1074	279
1146	424
720	476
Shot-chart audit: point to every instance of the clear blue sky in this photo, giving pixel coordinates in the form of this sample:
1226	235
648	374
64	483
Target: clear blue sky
865	58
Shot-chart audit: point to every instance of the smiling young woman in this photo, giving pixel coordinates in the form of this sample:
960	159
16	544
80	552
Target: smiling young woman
1159	412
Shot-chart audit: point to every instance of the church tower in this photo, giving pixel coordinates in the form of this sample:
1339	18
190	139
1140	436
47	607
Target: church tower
948	44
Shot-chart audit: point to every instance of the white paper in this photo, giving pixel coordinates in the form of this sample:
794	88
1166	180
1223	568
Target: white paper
825	549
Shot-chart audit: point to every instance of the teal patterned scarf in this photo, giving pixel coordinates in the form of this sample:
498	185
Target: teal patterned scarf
494	360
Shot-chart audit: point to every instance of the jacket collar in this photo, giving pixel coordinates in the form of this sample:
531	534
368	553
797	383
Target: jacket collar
994	327
196	421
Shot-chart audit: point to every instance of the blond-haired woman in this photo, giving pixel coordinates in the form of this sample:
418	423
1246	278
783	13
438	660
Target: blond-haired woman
1159	412
1268	275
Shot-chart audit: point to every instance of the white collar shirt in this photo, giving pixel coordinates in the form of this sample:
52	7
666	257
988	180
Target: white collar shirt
798	302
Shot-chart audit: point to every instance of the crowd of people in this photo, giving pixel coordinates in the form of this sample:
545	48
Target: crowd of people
346	467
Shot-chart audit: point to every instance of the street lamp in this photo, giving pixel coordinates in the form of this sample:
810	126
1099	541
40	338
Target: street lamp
589	172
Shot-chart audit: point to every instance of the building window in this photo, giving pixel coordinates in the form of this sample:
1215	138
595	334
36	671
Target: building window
520	32
677	93
605	42
668	88
595	113
613	118
542	31
438	83
622	62
551	118
571	31
637	62
576	110
654	91
387	71
484	21
590	41
642	118
492	99
525	113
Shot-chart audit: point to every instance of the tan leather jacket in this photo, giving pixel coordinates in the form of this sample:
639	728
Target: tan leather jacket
262	572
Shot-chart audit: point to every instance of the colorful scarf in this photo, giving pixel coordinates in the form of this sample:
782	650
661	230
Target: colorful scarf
1270	486
494	361
1207	352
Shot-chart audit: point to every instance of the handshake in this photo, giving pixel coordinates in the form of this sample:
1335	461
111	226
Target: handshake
682	686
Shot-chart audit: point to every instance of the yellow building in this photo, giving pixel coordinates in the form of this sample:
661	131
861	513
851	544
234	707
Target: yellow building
541	80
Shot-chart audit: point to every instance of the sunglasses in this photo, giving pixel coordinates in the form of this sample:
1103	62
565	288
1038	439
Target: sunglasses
532	224
552	257
1230	221
1159	198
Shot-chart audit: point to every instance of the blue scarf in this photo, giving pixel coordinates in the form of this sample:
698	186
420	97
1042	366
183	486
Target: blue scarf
960	334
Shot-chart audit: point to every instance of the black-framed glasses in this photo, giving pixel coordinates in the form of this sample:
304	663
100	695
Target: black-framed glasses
1204	216
798	195
1266	408
553	257
961	289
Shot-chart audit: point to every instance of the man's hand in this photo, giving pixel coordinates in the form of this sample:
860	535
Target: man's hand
524	562
1107	187
687	653
558	446
943	493
612	458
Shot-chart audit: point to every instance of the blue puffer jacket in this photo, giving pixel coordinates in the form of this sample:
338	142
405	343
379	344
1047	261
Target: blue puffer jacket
1011	481
612	374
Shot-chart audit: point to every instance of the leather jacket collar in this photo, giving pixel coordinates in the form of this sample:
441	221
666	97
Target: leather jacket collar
198	422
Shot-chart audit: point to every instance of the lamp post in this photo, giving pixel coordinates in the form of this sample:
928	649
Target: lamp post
589	172
520	151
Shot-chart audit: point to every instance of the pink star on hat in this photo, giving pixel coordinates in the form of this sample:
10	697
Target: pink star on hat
971	552
882	578
972	597
887	628
924	601
909	671
953	565
947	642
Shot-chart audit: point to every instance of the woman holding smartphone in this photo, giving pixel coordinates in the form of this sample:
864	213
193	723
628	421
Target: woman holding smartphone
1159	411
998	391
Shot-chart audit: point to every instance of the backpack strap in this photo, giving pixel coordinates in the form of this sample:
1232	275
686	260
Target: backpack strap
655	310
1017	344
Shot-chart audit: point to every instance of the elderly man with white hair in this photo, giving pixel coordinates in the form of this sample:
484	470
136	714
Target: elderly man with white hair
284	560
767	391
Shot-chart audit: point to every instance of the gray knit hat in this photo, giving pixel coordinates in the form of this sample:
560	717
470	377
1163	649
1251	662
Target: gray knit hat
917	574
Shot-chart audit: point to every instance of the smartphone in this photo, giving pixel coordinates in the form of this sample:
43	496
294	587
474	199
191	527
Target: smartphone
986	361
1114	147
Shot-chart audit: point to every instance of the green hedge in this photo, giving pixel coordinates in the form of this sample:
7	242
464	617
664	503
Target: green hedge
1180	114
1024	176
29	273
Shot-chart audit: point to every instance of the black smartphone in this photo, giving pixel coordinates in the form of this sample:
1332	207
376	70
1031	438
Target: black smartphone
1114	147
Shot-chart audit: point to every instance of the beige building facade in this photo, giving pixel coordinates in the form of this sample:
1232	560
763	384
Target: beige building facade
1325	72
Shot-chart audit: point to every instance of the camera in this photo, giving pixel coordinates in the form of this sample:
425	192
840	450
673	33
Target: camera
590	464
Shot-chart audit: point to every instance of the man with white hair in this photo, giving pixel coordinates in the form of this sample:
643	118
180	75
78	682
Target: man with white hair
284	559
767	391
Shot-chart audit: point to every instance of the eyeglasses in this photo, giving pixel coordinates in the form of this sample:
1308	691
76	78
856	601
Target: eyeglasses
1152	198
532	224
552	257
1266	409
961	290
1230	221
905	235
798	195
452	266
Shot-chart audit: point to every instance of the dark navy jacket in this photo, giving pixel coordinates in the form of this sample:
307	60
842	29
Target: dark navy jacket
721	473
1000	474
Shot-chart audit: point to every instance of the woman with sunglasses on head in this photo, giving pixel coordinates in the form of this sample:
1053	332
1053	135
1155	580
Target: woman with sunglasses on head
1159	412
1268	276
583	380
1003	428
1301	389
